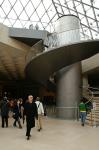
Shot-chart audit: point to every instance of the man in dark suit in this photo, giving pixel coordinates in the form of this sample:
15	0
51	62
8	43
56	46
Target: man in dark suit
4	111
30	110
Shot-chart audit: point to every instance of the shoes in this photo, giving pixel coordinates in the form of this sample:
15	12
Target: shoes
20	127
29	135
28	138
39	130
83	124
14	125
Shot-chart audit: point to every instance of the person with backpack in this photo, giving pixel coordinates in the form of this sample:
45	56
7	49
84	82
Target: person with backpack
4	105
40	113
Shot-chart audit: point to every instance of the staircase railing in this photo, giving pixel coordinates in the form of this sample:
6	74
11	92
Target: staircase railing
92	92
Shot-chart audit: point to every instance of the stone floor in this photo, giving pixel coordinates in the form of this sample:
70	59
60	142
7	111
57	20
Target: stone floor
56	135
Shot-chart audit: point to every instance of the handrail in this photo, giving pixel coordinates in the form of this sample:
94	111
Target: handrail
90	87
94	88
91	92
92	115
90	98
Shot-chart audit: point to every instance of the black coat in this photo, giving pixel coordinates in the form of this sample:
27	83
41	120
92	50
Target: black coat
4	108
30	110
17	112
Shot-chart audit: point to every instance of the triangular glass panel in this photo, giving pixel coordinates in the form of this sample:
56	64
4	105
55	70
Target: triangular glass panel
90	13
23	16
41	26
41	10
34	17
29	8
12	2
12	21
77	3
18	8
2	14
6	6
70	4
84	21
1	2
66	10
47	4
7	22
45	18
12	15
24	23
36	3
18	24
86	2
1	20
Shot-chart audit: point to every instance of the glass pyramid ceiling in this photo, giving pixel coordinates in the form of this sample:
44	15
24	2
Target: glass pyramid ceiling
43	13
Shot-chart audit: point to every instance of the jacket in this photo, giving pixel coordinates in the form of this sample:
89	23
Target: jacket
82	107
17	112
30	110
39	107
4	108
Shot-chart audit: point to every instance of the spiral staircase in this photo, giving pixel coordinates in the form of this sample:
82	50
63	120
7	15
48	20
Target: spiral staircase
92	96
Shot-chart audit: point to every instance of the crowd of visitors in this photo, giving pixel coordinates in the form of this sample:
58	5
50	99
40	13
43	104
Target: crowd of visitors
30	111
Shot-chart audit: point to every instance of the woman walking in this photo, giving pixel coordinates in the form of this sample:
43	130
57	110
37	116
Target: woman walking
17	113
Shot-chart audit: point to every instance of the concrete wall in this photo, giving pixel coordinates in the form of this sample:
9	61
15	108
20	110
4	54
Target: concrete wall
90	64
4	38
27	33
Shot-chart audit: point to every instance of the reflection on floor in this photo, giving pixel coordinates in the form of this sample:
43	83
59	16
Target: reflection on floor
56	135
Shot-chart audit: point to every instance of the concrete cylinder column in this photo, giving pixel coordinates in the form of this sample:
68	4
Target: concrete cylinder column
69	78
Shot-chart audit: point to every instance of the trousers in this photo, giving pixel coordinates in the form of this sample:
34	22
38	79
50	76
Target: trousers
83	117
28	130
4	120
17	120
30	123
39	122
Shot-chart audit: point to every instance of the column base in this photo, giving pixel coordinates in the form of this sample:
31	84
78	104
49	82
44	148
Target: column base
69	113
